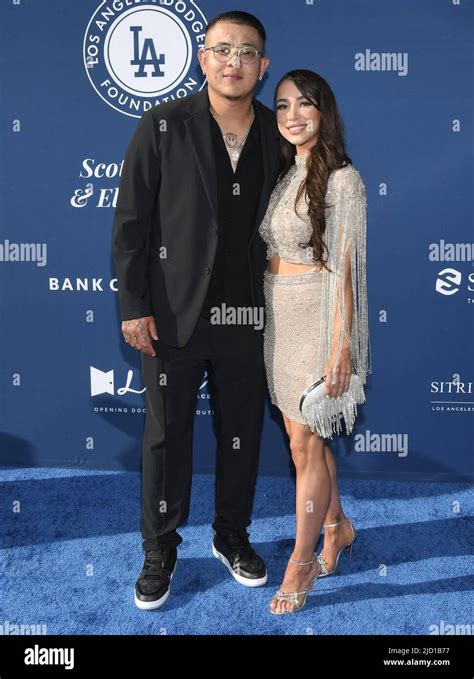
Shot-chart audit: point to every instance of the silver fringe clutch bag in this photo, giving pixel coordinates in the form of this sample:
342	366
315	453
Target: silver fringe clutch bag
325	414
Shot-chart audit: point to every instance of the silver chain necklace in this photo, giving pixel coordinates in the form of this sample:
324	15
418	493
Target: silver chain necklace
231	138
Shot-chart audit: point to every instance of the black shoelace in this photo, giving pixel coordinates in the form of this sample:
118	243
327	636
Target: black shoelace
240	542
155	565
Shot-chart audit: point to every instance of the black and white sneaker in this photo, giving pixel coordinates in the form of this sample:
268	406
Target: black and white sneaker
153	585
236	552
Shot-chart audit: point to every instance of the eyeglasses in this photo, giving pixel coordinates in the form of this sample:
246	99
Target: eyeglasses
247	55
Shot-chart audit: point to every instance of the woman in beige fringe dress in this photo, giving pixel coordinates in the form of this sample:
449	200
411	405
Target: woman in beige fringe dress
316	310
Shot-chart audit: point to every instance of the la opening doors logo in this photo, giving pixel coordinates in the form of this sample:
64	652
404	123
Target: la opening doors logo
139	56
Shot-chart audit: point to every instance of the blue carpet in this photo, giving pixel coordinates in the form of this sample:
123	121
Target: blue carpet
71	554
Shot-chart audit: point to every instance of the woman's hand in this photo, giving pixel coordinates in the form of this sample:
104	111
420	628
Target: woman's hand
342	375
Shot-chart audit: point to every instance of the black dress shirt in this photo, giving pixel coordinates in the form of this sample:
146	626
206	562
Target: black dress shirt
238	194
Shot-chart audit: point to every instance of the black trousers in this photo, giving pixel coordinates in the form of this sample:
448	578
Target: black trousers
233	357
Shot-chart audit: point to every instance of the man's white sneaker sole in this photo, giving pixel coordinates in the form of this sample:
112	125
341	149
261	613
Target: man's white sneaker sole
152	605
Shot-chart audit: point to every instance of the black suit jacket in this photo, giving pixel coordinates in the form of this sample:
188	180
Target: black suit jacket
166	222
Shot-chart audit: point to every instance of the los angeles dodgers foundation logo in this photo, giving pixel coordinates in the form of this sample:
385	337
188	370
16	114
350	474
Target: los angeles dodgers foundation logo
140	55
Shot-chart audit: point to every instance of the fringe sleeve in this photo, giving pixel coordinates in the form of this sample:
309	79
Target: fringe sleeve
345	237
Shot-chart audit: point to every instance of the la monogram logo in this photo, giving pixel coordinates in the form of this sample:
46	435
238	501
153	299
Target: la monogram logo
139	57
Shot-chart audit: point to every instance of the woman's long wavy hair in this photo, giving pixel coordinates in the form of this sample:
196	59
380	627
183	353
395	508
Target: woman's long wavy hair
327	154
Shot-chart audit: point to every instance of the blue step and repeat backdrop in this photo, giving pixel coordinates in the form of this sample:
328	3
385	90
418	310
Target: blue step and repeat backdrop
71	390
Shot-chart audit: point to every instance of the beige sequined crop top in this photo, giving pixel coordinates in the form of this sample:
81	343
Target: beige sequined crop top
282	228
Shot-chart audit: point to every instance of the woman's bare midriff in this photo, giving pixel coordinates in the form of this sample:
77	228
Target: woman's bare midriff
279	266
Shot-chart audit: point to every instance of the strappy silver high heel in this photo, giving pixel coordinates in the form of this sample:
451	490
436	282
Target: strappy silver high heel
324	570
293	596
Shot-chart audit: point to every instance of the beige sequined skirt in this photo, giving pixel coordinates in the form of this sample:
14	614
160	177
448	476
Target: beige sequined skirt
292	337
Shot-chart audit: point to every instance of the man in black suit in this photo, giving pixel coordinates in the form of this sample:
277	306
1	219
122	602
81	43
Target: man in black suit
196	181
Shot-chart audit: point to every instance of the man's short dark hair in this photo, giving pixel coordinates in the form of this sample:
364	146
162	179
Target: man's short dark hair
242	18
